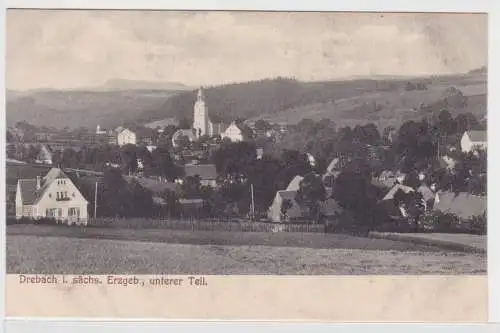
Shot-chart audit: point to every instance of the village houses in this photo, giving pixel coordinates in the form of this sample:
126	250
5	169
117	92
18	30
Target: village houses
206	172
236	132
473	140
53	196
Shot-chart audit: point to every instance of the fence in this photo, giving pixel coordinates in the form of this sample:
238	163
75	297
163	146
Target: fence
224	224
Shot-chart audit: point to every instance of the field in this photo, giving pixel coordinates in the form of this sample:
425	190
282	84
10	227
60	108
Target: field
65	250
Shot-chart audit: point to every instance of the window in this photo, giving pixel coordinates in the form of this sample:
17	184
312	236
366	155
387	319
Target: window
74	211
50	212
59	212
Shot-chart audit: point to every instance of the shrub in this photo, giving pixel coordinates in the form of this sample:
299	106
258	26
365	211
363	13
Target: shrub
478	224
450	223
44	221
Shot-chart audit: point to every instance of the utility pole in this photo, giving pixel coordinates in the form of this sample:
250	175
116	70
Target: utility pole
253	202
95	200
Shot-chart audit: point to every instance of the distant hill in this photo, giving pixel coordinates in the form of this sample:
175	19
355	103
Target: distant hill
481	70
348	102
127	85
81	108
382	100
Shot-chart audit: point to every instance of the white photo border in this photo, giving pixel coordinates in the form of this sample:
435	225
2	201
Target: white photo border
478	6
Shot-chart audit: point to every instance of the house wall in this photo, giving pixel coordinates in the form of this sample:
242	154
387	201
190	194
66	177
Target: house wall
233	133
208	182
126	137
274	211
467	145
49	201
19	202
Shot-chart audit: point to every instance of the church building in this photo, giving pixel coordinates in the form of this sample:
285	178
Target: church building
202	123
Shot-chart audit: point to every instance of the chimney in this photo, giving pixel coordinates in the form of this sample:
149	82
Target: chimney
38	181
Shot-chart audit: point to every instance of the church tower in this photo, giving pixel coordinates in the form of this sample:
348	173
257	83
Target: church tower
201	123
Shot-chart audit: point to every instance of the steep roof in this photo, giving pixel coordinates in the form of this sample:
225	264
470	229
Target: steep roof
294	184
330	207
426	192
154	186
29	193
395	189
333	165
28	187
205	171
184	132
290	195
477	136
464	205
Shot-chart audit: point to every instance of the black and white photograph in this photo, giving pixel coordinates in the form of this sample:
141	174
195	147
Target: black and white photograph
246	143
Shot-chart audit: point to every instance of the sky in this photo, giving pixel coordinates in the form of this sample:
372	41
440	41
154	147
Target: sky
65	49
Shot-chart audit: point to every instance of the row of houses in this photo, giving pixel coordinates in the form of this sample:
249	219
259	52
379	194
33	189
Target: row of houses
54	195
34	197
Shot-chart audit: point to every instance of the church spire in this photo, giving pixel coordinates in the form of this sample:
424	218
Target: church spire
200	94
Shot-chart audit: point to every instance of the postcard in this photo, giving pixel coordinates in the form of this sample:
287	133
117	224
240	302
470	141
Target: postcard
320	166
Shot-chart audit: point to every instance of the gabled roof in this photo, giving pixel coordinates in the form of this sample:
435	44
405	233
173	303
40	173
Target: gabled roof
154	186
205	171
464	205
30	194
333	165
290	195
184	132
330	207
477	136
395	189
294	184
142	132
426	192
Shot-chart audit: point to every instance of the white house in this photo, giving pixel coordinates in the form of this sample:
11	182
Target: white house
236	132
206	172
53	196
473	140
189	134
126	137
44	156
276	212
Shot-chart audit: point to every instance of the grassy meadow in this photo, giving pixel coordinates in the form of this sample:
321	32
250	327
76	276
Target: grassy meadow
74	250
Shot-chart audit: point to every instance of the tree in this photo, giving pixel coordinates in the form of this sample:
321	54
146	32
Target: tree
387	135
446	123
465	122
173	207
191	187
69	159
413	204
129	159
113	196
262	125
10	137
184	123
355	193
285	206
311	192
141	201
454	98
234	158
163	165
